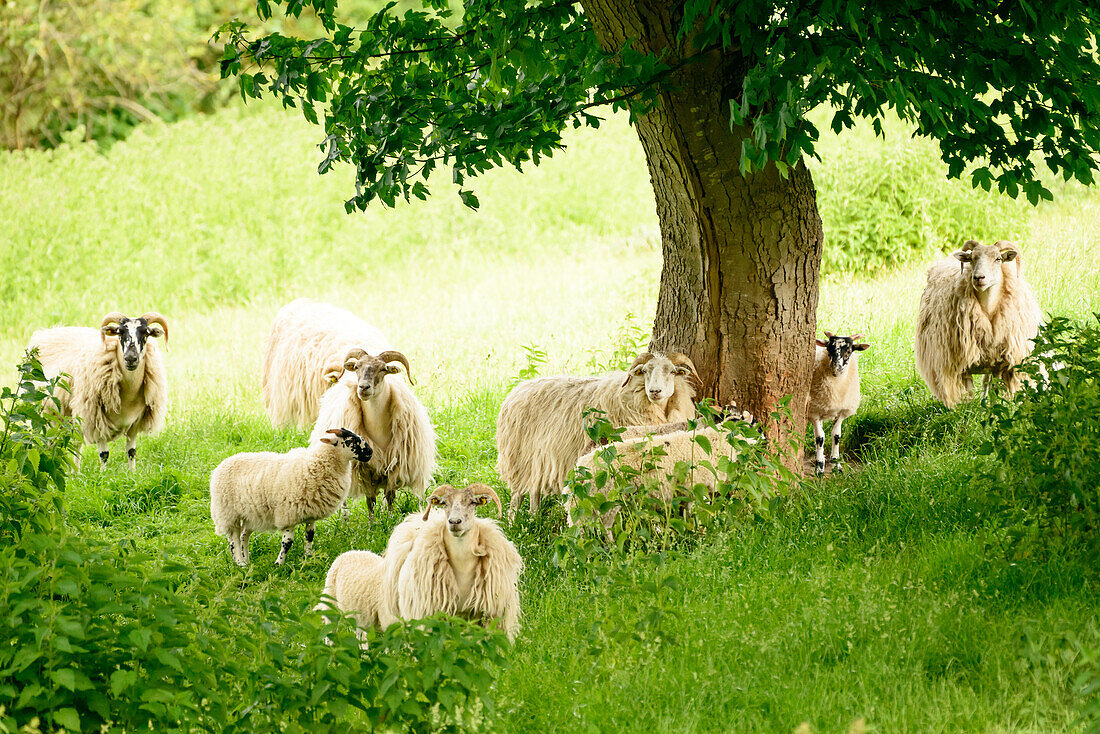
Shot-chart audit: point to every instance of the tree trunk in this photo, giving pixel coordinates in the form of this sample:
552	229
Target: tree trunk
741	253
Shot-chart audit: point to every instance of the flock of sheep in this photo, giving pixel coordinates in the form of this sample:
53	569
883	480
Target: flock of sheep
327	369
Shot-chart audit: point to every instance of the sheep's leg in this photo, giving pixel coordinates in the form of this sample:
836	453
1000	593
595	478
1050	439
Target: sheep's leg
513	504
309	538
819	443
131	447
344	510
104	452
535	500
834	451
391	495
246	557
288	540
371	499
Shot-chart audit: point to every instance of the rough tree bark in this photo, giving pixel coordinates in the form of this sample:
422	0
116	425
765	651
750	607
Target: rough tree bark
741	253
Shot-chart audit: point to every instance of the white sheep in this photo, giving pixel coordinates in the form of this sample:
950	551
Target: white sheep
255	492
834	392
654	452
540	430
372	400
304	355
451	562
117	380
977	314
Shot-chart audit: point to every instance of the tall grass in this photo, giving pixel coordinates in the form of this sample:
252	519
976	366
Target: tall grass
880	596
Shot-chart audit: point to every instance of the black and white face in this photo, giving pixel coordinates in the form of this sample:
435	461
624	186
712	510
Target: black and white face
359	448
132	336
840	349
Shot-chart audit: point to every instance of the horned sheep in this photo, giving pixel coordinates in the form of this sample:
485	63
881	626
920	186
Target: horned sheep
255	492
449	562
117	380
540	430
977	314
834	392
325	365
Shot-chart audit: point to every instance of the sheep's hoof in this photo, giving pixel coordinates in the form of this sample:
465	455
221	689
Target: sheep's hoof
819	468
838	468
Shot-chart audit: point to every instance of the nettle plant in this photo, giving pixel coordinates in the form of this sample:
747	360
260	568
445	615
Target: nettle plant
645	505
1045	441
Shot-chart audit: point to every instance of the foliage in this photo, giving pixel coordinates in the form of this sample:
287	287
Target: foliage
102	635
1045	442
629	342
408	93
644	517
37	449
889	205
535	358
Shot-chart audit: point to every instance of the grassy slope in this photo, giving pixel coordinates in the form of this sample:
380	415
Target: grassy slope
875	597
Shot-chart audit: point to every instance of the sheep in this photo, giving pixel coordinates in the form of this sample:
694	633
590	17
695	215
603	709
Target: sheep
453	562
980	317
387	413
253	492
834	392
117	381
638	449
540	430
304	354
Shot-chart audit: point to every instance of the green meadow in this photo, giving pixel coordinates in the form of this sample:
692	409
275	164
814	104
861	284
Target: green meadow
879	601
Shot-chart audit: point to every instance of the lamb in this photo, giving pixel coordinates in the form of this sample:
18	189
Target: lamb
304	354
540	430
117	381
834	392
637	449
980	317
452	562
252	492
387	413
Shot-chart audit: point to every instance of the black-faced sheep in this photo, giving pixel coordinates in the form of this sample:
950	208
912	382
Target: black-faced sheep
117	381
834	392
540	430
255	492
977	314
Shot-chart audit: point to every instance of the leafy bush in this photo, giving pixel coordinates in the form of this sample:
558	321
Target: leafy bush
644	517
101	636
892	203
1045	442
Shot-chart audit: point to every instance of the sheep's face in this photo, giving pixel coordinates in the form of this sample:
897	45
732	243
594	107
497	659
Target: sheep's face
350	442
840	349
461	505
131	336
370	370
660	374
987	263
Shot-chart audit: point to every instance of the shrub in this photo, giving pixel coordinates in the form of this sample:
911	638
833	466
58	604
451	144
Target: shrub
1045	441
101	636
892	203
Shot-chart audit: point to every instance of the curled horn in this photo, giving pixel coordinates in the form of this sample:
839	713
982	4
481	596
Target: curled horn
439	492
394	356
484	490
155	318
354	353
682	360
638	362
115	317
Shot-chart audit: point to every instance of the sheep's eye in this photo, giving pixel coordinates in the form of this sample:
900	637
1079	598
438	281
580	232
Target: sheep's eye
681	370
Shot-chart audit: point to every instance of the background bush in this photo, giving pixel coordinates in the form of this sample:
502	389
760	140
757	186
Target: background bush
891	203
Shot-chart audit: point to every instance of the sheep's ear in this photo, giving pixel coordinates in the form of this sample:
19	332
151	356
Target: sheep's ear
962	256
332	373
821	342
329	441
860	347
1008	255
156	330
351	365
392	369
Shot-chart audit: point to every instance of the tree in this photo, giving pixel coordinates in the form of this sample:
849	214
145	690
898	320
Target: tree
718	91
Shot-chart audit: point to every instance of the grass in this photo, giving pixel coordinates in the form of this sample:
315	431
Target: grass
880	597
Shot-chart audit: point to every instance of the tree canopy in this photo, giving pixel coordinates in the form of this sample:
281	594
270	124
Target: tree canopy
1000	86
